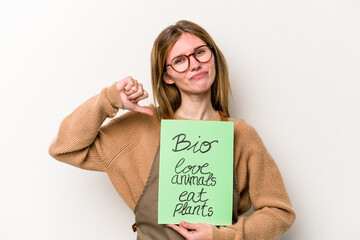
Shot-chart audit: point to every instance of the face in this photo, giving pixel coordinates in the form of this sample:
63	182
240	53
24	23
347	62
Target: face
199	77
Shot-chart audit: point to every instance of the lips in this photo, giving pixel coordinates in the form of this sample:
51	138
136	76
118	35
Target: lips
199	75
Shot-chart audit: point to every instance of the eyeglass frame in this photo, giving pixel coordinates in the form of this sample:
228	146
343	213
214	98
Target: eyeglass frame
188	57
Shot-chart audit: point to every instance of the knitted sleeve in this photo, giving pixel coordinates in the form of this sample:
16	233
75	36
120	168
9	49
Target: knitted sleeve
273	213
77	142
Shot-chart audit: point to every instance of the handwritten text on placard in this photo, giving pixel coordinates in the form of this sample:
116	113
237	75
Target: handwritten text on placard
196	172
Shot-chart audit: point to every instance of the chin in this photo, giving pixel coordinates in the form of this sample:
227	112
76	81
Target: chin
202	90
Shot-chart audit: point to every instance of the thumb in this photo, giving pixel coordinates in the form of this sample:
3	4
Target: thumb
187	225
144	110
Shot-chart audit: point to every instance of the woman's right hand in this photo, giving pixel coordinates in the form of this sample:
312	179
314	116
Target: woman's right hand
131	92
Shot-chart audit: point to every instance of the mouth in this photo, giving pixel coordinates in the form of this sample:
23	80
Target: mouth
199	75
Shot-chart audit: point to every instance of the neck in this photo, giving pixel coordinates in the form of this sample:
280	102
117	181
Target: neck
196	107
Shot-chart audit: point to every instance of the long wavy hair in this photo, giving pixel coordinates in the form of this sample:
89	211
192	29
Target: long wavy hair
167	95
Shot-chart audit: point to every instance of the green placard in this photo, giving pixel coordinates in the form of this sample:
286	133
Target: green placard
196	172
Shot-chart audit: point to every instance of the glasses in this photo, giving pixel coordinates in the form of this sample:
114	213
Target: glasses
181	63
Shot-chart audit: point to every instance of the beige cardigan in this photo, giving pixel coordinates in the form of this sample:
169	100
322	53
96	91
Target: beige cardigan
125	148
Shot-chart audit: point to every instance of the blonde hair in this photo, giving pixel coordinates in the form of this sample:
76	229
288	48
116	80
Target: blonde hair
168	95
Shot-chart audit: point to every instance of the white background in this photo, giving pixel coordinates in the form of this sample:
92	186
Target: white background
295	72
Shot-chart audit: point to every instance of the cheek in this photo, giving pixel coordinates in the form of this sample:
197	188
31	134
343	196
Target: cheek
177	77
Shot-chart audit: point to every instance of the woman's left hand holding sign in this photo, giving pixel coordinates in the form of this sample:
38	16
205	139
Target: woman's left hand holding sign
193	231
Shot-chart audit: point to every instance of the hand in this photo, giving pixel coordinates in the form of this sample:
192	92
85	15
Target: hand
193	231
131	92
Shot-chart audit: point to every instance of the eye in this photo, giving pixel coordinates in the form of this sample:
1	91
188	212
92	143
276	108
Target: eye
178	60
200	52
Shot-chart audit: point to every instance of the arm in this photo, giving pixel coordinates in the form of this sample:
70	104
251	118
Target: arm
80	140
273	213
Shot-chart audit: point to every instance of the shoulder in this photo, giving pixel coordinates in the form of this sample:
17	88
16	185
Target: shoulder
245	133
242	127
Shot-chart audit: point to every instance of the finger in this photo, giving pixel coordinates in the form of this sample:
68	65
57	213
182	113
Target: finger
129	84
120	85
142	97
133	89
185	233
187	225
138	93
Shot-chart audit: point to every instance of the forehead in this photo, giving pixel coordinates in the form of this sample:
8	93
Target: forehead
185	45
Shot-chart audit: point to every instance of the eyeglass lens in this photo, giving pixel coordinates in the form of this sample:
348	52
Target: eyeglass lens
181	63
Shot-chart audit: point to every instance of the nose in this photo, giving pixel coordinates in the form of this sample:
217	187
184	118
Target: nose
193	63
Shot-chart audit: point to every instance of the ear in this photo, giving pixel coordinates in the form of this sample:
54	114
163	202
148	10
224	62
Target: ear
167	78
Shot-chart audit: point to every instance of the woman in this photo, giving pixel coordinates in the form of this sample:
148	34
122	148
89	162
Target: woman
189	81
